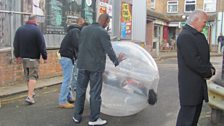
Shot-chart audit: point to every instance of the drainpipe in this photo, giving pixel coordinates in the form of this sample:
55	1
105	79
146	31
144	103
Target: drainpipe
11	29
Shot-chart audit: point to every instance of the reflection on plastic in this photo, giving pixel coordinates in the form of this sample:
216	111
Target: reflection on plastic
125	87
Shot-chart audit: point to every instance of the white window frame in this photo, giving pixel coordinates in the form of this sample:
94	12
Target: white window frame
185	4
210	2
153	4
170	4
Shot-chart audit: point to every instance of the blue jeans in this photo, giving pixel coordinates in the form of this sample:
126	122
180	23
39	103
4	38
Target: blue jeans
95	78
67	68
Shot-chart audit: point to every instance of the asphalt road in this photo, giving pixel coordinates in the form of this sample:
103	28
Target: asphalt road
46	113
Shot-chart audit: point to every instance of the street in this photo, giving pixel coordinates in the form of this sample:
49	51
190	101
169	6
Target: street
46	113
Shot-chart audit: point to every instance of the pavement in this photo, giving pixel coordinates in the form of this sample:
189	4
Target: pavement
10	92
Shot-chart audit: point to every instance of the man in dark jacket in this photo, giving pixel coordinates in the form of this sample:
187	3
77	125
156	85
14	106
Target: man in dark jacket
28	45
194	68
68	51
94	45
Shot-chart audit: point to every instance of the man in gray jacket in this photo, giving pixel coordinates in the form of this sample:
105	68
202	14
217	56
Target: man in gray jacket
94	45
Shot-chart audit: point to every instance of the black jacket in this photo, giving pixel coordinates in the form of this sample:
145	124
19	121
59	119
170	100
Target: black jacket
94	45
29	42
69	44
193	66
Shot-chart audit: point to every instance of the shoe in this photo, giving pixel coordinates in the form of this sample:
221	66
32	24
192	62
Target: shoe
152	97
76	120
70	97
66	106
29	100
98	122
70	100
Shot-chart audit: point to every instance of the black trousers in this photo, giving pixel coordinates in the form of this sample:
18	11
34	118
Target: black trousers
189	115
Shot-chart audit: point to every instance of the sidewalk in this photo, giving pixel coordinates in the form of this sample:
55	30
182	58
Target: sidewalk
8	91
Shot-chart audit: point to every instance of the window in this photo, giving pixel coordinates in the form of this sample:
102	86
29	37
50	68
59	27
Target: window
172	6
190	5
153	4
209	5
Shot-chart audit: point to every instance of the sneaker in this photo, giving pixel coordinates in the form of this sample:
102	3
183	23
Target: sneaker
76	120
29	100
99	121
66	106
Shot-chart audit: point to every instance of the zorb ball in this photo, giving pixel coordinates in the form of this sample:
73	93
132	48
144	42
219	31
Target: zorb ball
132	85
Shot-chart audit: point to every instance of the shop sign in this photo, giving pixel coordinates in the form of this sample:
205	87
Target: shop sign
126	20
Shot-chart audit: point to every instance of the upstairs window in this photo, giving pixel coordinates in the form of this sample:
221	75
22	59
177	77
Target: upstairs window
172	6
209	5
153	4
190	5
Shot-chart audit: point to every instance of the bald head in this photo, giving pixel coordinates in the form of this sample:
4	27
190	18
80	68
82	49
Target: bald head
104	20
197	20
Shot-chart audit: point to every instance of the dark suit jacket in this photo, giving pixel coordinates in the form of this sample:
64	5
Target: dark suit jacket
94	45
193	66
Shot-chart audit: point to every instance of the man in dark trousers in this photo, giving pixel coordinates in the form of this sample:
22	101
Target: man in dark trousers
94	45
194	68
29	44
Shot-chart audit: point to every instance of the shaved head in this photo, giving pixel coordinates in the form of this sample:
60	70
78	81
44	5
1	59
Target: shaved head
104	20
32	17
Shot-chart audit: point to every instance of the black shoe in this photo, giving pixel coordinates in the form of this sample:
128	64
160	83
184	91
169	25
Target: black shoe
71	101
76	120
152	97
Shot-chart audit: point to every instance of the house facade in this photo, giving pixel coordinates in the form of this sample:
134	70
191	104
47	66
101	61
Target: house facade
165	19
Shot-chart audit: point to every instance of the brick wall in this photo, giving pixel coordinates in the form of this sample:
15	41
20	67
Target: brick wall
161	6
11	73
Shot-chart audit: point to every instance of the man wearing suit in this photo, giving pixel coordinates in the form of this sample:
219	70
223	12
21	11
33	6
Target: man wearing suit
194	68
93	47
